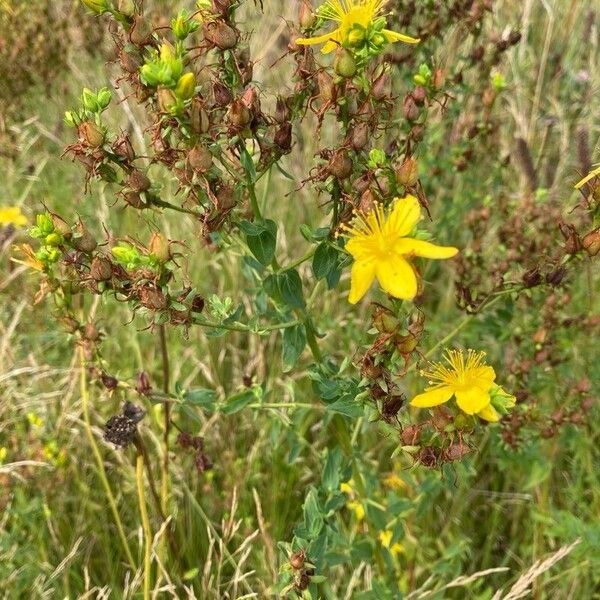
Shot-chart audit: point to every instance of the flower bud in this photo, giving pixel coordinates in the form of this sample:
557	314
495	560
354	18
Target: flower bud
405	344
159	247
200	158
83	240
407	174
344	64
97	6
419	94
143	385
384	321
356	36
326	86
91	134
126	7
340	165
186	86
220	35
591	242
101	269
138	181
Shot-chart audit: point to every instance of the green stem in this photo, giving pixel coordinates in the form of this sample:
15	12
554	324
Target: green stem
298	262
139	473
165	204
100	463
246	328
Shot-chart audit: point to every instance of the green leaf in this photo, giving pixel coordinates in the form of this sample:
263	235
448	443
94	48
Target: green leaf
202	397
261	238
324	260
330	479
248	164
348	407
313	519
238	401
290	286
294	341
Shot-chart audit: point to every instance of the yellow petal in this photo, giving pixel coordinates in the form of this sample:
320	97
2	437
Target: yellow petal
404	216
489	413
12	215
361	278
412	247
483	377
397	277
433	397
327	39
393	36
472	400
587	178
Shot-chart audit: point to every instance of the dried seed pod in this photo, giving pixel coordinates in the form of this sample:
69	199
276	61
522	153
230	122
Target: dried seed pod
283	137
140	33
407	174
91	134
591	242
138	181
220	34
344	63
340	165
359	136
121	429
159	247
306	16
419	95
134	199
143	385
411	435
123	148
153	298
239	115
282	111
382	87
225	197
167	100
298	560
101	268
200	159
410	110
130	59
199	119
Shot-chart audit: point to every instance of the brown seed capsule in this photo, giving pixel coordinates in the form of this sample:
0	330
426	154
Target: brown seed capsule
200	158
361	184
591	242
222	6
428	457
140	32
326	87
167	100
555	277
306	16
283	137
91	333
159	247
83	239
91	134
222	95
457	451
548	432
130	60
367	202
199	119
359	136
419	94
411	435
410	110
138	181
405	344
282	112
153	298
135	200
340	165
239	115
101	268
382	86
407	174
143	385
123	148
61	226
225	197
220	34
298	560
384	321
532	278
303	582
108	381
587	404
369	369
197	304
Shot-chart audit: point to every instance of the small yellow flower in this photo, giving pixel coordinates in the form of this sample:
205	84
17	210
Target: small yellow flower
587	178
470	380
346	487
380	248
357	508
385	537
394	482
12	215
354	18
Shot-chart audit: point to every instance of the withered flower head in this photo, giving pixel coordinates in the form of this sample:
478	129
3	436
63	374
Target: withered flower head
121	429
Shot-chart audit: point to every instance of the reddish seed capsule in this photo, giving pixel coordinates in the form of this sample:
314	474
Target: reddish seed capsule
340	165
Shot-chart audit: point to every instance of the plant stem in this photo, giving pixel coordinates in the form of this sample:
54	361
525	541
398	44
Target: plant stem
168	205
139	477
246	328
311	338
99	462
164	487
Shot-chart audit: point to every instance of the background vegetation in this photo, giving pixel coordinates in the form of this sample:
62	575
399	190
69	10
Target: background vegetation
529	488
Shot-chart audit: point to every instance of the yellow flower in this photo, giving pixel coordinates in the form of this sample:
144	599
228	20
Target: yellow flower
355	17
380	247
470	380
394	482
587	178
12	215
385	537
357	508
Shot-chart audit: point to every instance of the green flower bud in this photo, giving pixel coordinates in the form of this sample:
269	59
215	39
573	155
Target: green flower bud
71	119
356	36
186	86
103	98
44	224
54	239
501	400
89	100
345	65
167	100
378	40
126	7
97	6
